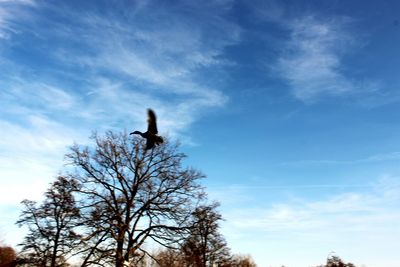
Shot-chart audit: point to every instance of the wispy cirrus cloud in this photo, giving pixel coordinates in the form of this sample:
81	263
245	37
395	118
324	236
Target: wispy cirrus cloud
343	222
371	159
147	57
312	61
10	12
31	155
163	46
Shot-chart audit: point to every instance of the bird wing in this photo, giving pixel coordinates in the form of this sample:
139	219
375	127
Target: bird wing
152	125
149	144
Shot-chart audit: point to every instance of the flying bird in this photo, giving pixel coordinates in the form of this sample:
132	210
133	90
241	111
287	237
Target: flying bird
151	134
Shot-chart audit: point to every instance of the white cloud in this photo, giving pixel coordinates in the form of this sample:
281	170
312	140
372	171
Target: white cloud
267	10
358	225
371	159
30	157
37	96
11	10
123	64
160	46
312	59
312	62
161	60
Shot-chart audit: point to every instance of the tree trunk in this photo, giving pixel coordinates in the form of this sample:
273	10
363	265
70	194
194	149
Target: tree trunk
54	254
119	255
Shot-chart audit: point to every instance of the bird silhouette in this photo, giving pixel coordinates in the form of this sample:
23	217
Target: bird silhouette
151	134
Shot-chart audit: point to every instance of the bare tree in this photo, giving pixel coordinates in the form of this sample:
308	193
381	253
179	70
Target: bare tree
51	236
205	246
170	258
242	261
129	195
336	261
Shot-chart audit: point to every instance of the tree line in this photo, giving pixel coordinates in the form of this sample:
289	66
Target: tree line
115	201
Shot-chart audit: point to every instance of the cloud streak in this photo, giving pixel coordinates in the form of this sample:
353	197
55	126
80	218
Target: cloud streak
335	222
372	159
312	62
10	12
312	59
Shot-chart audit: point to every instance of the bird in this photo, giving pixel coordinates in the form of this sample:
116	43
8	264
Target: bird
151	134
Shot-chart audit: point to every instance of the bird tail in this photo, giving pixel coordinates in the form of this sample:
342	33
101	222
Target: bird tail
159	140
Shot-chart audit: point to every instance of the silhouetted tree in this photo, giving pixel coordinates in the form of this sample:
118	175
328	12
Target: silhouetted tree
170	258
335	261
176	258
51	236
8	257
242	261
205	246
130	195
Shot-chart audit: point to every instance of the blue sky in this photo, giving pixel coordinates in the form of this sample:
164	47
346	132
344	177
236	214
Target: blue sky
291	108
